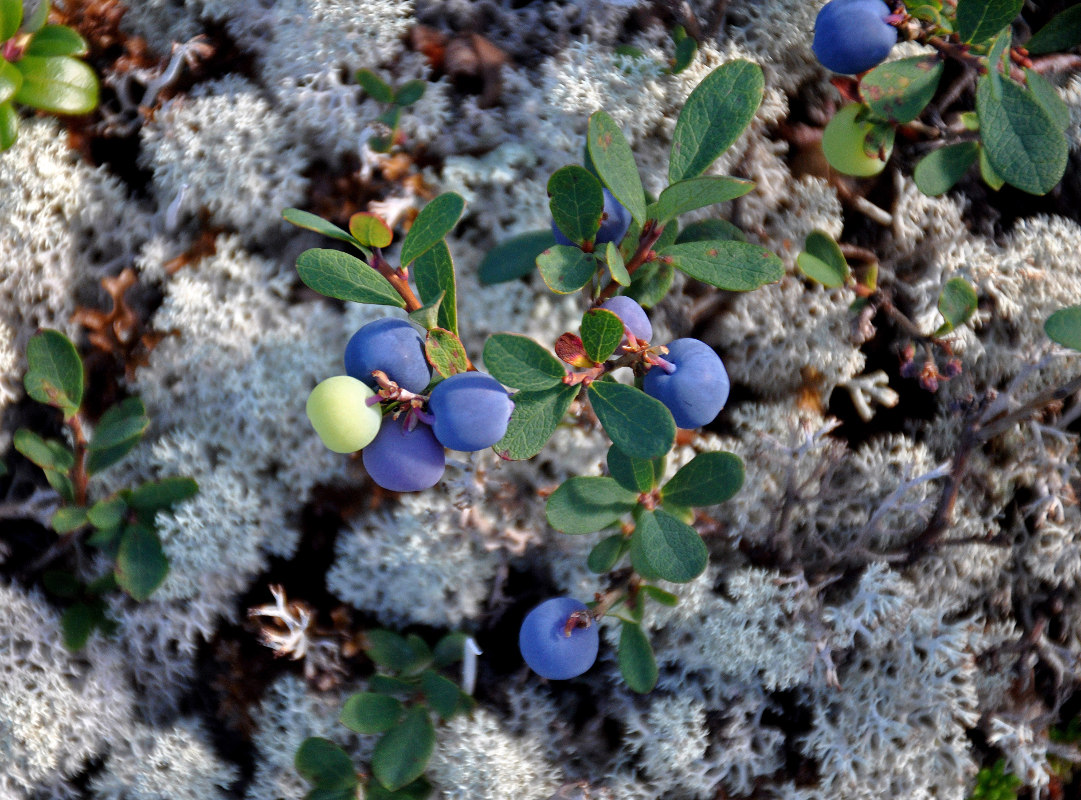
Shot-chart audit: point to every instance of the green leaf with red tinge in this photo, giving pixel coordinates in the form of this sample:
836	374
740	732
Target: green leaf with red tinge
369	230
900	90
446	353
54	372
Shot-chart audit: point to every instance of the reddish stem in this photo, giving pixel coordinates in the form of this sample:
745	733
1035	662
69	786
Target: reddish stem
399	280
651	232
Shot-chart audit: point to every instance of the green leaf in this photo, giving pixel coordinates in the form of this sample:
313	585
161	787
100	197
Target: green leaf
9	125
1048	97
419	789
62	584
576	202
432	224
369	230
900	90
822	260
10	80
155	496
68	518
602	331
99	460
706	480
107	513
339	275
695	193
535	417
77	623
54	373
11	16
368	712
121	422
987	172
733	266
587	504
686	50
637	424
854	145
1024	145
449	649
376	88
442	693
62	483
606	553
1064	327
323	763
514	258
433	272
427	316
36	21
401	756
661	596
979	20
384	684
45	453
956	304
519	362
612	158
633	474
665	548
141	565
410	92
714	116
1062	33
636	662
445	352
57	40
311	222
650	283
940	169
565	269
614	259
707	229
59	84
390	650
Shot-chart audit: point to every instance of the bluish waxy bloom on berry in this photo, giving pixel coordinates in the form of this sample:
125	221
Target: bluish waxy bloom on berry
852	36
471	411
694	385
403	458
554	646
393	346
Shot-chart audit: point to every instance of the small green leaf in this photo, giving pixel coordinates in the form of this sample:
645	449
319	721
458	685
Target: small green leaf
389	650
661	596
695	193
733	266
633	474
432	224
637	424
987	172
141	565
664	547
442	693
940	169
612	158
11	16
155	496
519	362
68	518
606	553
117	433
62	483
427	316
323	763
54	372
422	654
410	92
401	756
36	21
602	331
433	272
535	417
979	20
1048	97
1062	33
10	80
368	712
384	684
449	649
419	789
565	269
637	664
445	352
514	258
1064	327
59	84
311	222
614	259
107	512
650	283
686	50
956	304
339	275
57	40
1024	144
369	230
900	90
822	260
707	229
576	202
77	623
9	125
587	504
706	480
714	116
45	453
377	88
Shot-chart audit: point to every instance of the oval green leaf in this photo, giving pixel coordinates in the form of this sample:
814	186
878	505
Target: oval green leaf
650	283
900	90
445	352
339	275
410	92
707	229
323	763
822	260
633	474
940	169
705	480
312	222
602	331
54	373
432	224
519	362
155	496
587	504
514	258
9	124
1061	33
59	84
1064	327
10	81
665	548
535	418
141	565
57	40
733	266
637	424
119	424
576	202
614	258
67	518
369	230
956	304
565	269
606	553
637	664
848	143
613	160
695	193
1047	96
11	16
441	693
376	88
368	712
45	453
401	756
107	513
979	20
433	273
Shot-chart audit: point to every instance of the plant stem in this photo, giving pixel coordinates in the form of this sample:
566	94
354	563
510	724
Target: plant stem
79	478
651	232
398	279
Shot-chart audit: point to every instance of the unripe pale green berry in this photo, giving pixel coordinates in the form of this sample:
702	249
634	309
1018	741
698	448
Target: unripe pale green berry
339	413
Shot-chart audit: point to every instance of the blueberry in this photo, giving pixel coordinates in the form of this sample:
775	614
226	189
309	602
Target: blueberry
614	224
471	411
404	461
546	646
851	36
339	413
633	316
696	391
393	346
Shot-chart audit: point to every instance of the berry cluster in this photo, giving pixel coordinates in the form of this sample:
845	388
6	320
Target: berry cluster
379	406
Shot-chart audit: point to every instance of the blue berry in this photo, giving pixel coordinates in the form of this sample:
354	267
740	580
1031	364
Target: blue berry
393	346
696	391
633	316
546	646
852	36
614	224
402	460
471	411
